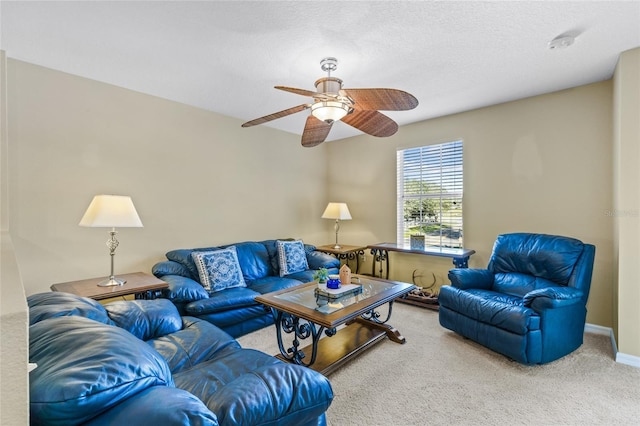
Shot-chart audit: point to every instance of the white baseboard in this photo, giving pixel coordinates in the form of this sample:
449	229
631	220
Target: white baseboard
620	357
598	329
631	360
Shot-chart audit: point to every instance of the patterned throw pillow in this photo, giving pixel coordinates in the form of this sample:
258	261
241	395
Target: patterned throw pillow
219	269
291	257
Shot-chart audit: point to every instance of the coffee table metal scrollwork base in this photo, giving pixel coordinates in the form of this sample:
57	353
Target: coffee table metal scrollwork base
288	324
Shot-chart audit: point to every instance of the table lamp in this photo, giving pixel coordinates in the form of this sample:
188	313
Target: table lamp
337	211
111	211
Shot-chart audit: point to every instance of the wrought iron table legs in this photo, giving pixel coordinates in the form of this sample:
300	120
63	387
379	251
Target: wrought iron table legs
360	333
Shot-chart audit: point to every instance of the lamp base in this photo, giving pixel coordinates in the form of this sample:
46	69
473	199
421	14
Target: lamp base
337	247
111	282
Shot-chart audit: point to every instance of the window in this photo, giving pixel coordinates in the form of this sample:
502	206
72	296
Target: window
430	194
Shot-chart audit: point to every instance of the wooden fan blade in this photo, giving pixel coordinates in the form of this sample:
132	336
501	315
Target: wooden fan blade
381	99
303	92
372	123
275	115
315	132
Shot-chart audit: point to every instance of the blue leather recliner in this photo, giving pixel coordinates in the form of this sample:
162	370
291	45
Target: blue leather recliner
530	302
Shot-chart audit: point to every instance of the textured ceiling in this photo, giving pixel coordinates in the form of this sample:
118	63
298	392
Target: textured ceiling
227	56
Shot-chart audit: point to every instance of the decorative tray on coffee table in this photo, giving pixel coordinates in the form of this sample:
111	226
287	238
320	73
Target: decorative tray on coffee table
338	293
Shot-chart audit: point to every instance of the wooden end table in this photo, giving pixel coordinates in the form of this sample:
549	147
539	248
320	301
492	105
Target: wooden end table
345	252
141	285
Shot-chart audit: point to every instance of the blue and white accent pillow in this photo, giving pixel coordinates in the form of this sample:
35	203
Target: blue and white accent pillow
291	257
219	269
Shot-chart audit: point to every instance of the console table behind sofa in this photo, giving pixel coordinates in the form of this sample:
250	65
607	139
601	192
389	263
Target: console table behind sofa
380	253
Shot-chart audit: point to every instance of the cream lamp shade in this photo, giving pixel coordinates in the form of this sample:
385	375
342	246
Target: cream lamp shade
337	211
111	211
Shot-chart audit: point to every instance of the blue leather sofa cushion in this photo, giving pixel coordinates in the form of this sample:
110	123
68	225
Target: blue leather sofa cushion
158	406
145	318
232	298
497	309
60	304
183	257
273	254
198	341
546	256
250	387
85	368
254	260
272	283
302	276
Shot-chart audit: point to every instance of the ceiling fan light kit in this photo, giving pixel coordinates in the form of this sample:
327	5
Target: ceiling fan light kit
329	111
355	107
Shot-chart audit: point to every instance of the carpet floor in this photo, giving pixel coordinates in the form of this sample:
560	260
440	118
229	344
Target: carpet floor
439	378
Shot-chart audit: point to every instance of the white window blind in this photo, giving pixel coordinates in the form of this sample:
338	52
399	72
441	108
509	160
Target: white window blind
430	194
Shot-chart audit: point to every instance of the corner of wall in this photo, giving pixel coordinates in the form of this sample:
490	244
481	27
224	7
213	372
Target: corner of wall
14	386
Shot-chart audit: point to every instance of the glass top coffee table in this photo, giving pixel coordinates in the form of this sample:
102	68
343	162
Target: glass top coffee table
301	313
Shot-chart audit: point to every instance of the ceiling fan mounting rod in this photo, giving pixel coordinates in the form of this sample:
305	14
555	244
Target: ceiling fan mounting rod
329	64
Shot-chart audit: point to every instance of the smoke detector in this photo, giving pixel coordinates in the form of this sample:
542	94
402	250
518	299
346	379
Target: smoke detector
561	42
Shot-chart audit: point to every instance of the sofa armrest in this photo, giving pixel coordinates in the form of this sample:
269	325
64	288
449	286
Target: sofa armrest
552	297
169	267
158	405
183	290
465	278
145	319
318	259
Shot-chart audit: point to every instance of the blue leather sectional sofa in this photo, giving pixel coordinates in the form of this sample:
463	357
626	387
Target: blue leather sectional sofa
141	363
234	310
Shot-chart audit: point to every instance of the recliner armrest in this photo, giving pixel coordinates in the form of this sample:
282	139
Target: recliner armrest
552	297
465	278
183	290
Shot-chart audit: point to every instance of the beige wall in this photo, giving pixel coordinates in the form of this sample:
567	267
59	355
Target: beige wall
14	383
541	164
196	178
627	201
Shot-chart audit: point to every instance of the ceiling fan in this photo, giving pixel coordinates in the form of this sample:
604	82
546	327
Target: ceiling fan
356	107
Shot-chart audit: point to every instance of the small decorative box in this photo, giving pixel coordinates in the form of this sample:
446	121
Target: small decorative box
417	242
